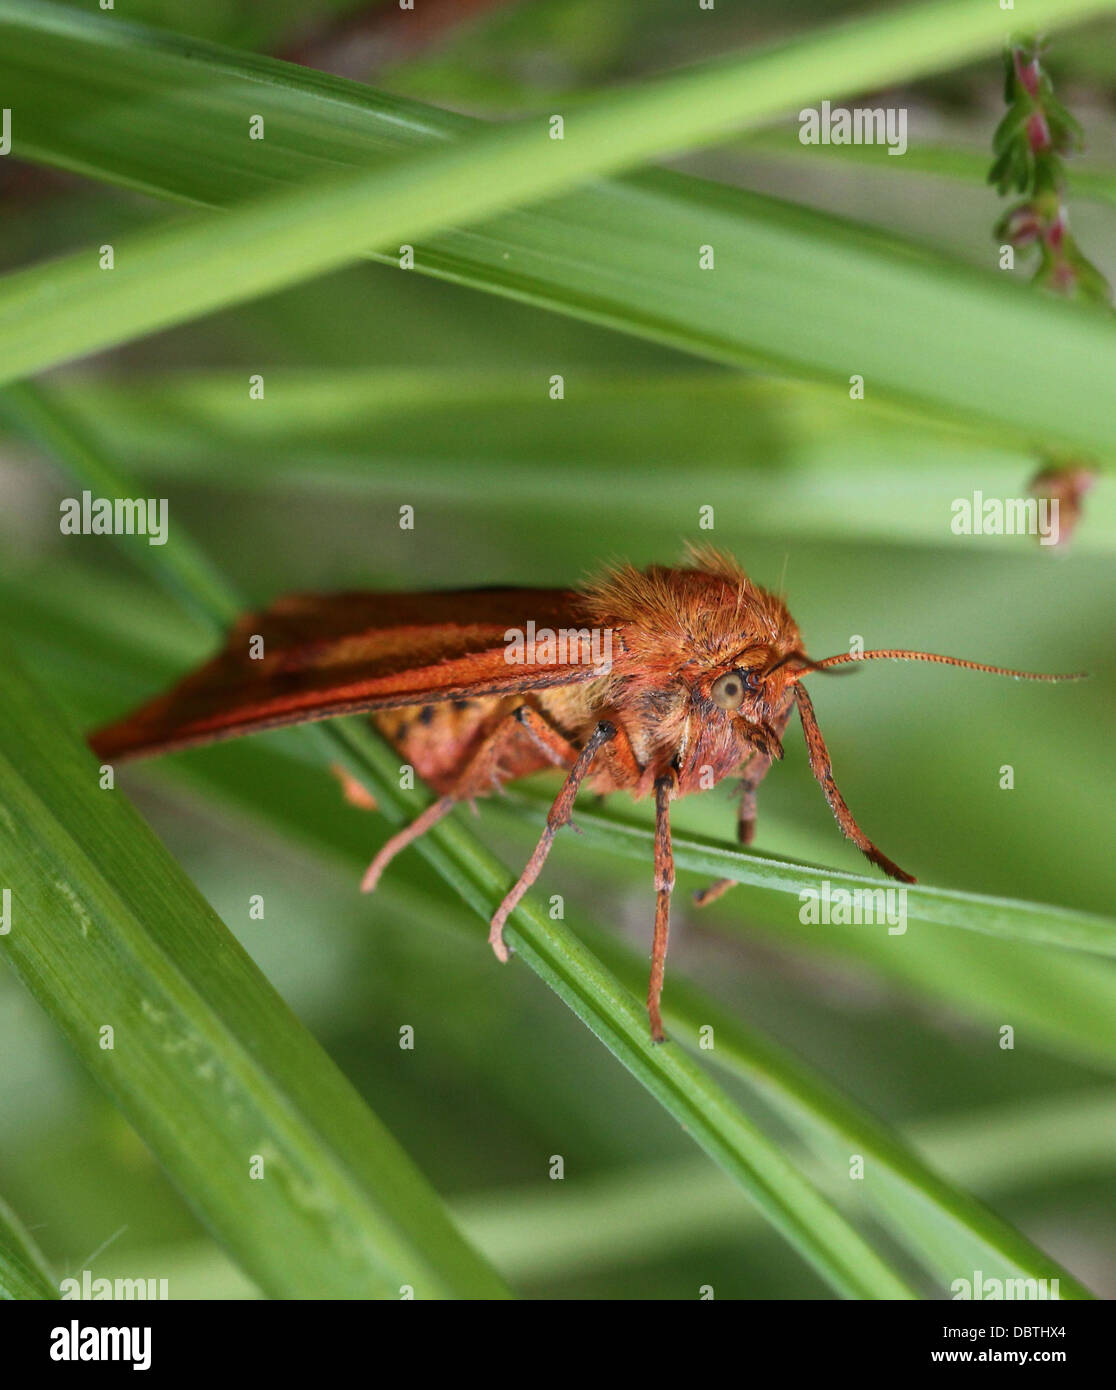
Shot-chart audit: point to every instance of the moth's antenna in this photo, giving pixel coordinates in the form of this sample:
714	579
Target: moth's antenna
898	654
805	669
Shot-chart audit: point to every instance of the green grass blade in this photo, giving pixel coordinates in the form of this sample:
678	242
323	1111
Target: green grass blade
819	294
24	1272
606	1226
811	1225
690	107
1007	918
943	1227
489	442
207	1062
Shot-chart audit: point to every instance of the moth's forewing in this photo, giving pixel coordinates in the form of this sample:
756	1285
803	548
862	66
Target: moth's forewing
310	657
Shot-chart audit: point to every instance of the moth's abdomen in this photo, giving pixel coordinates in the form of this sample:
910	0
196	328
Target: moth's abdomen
440	740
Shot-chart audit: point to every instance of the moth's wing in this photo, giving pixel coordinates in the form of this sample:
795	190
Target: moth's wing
348	653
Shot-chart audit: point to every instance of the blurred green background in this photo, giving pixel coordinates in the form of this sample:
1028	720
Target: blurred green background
384	389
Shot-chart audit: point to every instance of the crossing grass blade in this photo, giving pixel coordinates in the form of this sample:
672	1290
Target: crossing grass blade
24	1272
793	288
1024	922
271	1145
489	442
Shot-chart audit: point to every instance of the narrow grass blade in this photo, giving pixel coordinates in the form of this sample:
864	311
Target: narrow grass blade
812	1226
948	1231
1008	918
944	1228
608	1227
278	1154
24	1272
486	441
822	297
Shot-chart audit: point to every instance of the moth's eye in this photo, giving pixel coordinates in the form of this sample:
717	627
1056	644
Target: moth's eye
728	690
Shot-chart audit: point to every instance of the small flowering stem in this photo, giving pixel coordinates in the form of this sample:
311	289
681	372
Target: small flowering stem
1030	144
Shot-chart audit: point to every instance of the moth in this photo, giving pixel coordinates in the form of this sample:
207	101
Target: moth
657	683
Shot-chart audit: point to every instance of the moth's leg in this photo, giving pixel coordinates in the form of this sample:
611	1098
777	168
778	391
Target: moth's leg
754	772
551	743
664	886
822	769
621	761
477	779
483	773
717	889
546	738
435	812
352	789
556	817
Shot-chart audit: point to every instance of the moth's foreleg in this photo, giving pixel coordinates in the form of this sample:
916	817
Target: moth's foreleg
477	779
664	886
822	769
557	816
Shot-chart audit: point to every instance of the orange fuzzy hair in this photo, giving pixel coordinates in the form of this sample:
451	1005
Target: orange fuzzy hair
709	608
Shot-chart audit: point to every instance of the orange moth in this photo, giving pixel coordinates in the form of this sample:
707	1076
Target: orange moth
657	683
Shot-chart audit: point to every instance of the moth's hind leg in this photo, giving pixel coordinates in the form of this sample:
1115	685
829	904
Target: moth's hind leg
407	836
478	779
557	816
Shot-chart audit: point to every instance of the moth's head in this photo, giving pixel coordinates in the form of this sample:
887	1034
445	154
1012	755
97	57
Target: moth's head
704	656
752	691
707	666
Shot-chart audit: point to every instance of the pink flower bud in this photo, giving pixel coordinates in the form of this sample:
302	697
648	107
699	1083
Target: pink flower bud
1038	132
1027	72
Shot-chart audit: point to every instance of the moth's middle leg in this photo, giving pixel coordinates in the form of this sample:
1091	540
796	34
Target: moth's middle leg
478	778
556	817
664	886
